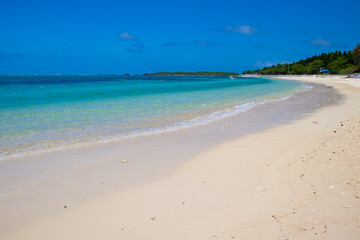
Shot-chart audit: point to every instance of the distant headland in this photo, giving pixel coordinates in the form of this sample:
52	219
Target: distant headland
194	73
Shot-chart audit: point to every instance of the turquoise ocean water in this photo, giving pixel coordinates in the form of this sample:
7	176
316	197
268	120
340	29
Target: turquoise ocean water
44	113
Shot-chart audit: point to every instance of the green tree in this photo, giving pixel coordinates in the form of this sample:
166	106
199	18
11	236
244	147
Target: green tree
333	56
350	70
350	57
356	52
315	66
281	69
339	64
297	68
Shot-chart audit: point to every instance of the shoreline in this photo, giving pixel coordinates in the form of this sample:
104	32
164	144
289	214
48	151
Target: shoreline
31	146
216	115
38	168
215	192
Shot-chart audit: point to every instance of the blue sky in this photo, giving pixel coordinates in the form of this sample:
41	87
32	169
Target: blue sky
115	37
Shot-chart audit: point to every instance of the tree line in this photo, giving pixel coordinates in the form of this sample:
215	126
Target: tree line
347	62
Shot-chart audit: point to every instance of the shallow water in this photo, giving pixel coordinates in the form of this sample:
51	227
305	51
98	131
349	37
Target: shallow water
45	113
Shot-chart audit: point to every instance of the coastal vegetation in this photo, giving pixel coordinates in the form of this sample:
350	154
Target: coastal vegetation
195	73
347	62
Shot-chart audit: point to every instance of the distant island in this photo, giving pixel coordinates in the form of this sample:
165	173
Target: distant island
334	63
194	73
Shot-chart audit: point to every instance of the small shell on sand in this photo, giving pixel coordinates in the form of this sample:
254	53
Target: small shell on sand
331	187
345	206
203	181
153	218
124	161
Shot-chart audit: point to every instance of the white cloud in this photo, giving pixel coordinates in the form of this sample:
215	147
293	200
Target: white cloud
261	64
320	42
288	62
126	36
244	29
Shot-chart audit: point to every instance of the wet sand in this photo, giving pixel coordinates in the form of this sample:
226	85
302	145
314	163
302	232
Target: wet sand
298	178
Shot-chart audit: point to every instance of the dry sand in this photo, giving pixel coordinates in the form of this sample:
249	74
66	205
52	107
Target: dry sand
295	181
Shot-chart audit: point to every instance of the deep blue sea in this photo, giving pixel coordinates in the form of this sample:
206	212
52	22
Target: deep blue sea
44	113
